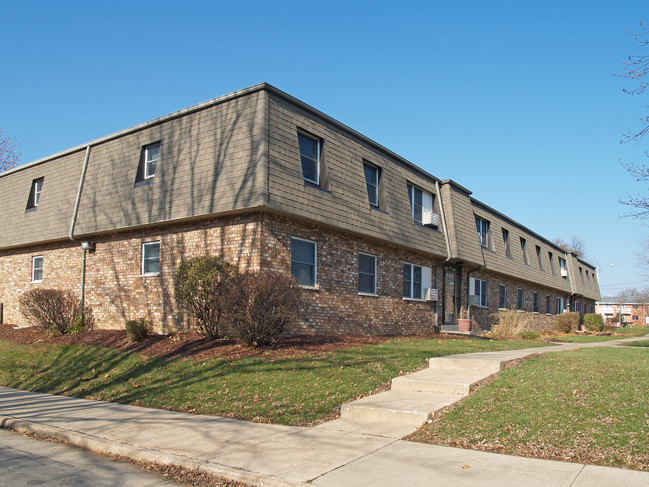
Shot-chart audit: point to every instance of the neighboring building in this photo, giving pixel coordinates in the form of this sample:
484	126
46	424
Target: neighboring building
267	182
634	310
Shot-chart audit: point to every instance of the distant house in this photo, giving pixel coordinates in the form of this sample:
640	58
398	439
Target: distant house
633	310
377	244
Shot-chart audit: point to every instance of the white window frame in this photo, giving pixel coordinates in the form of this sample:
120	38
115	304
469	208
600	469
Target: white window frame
373	275
316	161
426	281
38	189
314	263
560	305
145	259
483	227
479	288
420	212
147	161
35	268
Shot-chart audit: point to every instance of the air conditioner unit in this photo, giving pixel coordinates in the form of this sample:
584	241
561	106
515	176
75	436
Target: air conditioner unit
430	294
474	300
564	272
431	219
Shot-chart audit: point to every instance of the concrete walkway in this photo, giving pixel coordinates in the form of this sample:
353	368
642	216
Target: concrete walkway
268	455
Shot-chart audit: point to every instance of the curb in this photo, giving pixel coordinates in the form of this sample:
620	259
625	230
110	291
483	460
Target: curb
105	446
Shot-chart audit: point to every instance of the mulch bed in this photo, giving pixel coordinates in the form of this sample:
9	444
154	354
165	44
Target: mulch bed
196	346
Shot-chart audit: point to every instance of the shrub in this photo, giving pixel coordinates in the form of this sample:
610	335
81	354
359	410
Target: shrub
138	330
594	322
197	286
55	311
509	323
568	322
259	306
529	335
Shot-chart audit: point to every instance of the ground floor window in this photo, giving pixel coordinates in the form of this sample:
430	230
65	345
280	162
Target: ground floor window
548	303
560	307
479	290
536	302
519	304
412	287
366	273
151	258
502	296
37	268
304	261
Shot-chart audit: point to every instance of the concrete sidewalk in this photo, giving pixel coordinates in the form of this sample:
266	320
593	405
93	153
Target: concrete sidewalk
262	454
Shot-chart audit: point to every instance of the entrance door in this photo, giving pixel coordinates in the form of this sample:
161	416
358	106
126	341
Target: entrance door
448	303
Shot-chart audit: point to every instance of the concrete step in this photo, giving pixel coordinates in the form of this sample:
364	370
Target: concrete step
397	407
486	363
382	429
444	381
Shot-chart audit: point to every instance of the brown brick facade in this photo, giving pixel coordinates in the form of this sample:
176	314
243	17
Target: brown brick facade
116	290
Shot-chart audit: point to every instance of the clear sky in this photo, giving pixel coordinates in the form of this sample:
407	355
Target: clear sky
515	100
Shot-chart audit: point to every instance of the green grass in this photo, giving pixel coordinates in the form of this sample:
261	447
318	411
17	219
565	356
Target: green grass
631	331
298	390
588	406
639	343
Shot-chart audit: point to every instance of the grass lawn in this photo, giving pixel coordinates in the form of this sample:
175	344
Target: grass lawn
631	331
303	389
588	406
639	343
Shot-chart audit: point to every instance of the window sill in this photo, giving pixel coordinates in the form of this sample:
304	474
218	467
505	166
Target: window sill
415	300
32	209
369	295
313	185
143	182
153	274
376	208
315	288
36	282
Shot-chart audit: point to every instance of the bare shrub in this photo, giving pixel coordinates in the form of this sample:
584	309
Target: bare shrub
197	287
512	323
568	322
56	311
259	306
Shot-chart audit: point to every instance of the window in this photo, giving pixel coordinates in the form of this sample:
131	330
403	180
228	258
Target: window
502	296
538	256
577	306
304	261
551	257
151	153
151	258
536	302
548	303
421	205
415	280
483	231
366	273
560	306
562	266
478	288
635	317
372	177
519	304
35	193
526	259
508	249
581	276
37	268
310	155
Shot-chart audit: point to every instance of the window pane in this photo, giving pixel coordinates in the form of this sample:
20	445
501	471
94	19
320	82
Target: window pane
416	282
310	156
366	273
303	251
366	263
366	283
304	273
417	205
37	269
407	280
151	258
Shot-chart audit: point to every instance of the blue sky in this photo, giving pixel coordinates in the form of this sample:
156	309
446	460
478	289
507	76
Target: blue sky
514	100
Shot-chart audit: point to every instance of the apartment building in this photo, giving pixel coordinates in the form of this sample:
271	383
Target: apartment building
630	310
377	244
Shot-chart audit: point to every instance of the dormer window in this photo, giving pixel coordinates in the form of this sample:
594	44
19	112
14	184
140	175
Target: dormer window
372	176
421	206
35	193
310	156
151	153
483	227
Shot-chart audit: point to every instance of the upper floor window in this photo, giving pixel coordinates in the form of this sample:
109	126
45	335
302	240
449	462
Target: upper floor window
151	258
540	259
304	261
508	248
526	259
372	177
366	273
483	231
421	206
551	257
310	150
562	266
151	153
37	268
35	193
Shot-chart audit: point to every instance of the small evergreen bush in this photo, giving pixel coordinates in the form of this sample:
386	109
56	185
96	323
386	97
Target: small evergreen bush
55	311
568	322
198	283
138	330
529	335
259	306
594	322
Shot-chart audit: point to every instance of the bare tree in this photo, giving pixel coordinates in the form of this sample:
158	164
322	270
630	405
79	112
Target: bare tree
576	246
9	152
636	68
